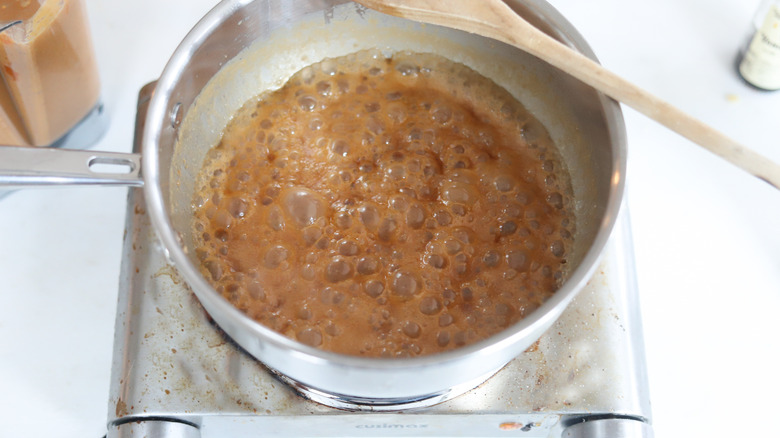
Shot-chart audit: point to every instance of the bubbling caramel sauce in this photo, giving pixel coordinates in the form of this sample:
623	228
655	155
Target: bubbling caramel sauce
384	206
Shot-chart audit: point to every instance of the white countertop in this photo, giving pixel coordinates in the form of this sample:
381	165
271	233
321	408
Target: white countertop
707	236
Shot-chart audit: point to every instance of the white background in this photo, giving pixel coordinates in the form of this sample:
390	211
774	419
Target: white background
707	236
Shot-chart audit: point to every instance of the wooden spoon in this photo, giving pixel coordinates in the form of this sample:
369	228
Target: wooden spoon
494	19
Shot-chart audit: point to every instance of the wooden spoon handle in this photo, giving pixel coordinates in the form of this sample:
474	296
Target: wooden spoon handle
494	19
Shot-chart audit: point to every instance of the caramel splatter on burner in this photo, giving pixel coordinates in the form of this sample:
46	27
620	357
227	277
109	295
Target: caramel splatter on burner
387	207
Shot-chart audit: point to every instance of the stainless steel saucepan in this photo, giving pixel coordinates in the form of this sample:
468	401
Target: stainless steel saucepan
243	47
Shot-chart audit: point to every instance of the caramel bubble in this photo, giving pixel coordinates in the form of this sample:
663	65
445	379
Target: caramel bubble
303	205
339	269
404	284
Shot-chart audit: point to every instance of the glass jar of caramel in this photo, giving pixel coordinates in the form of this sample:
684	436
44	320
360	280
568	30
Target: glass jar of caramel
50	81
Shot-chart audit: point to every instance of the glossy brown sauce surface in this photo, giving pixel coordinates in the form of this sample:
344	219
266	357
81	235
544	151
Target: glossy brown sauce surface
387	207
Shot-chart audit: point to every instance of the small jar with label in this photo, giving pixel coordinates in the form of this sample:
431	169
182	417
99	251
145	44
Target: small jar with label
759	65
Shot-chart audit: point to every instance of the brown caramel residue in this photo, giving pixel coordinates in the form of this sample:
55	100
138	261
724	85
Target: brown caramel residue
387	207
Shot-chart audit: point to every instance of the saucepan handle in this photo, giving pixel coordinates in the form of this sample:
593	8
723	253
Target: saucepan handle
33	166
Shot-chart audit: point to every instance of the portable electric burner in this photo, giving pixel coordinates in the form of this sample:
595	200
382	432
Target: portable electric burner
176	374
